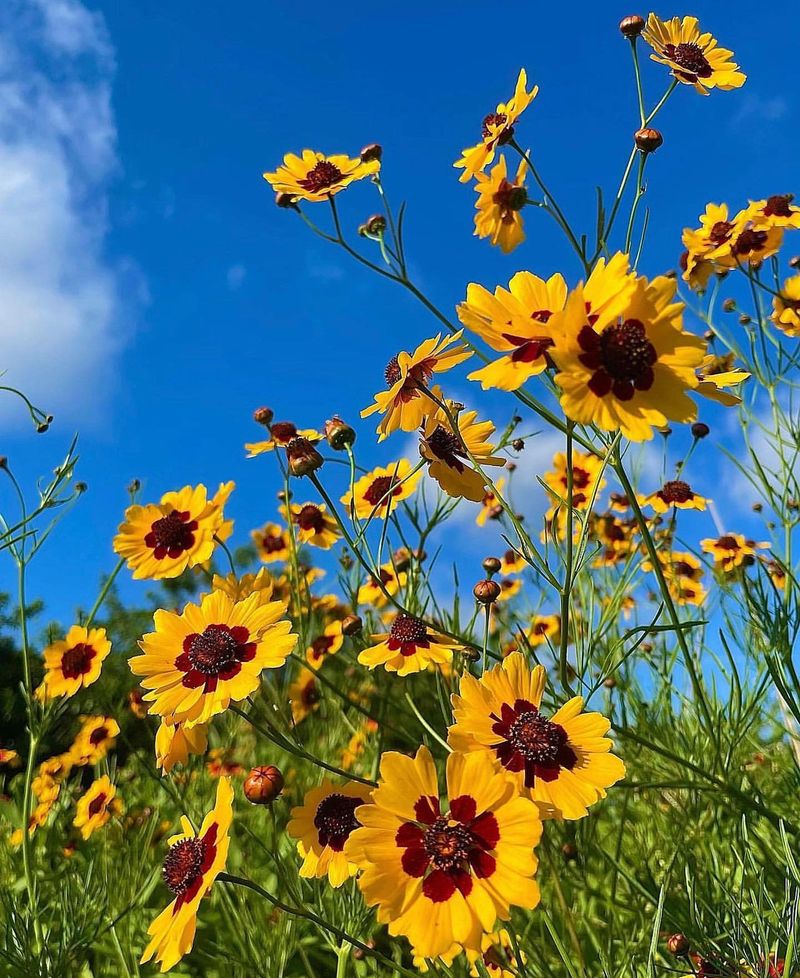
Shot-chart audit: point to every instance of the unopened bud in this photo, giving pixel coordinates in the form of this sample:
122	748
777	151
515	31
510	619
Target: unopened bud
352	625
794	261
510	467
486	592
338	434
376	224
610	682
758	507
470	653
744	319
678	944
729	305
81	487
631	26
648	140
491	565
3	461
263	415
518	444
263	785
302	457
373	151
134	486
569	851
700	429
282	199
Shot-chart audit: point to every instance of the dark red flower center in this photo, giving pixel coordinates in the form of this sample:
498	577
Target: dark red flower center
98	735
728	542
531	743
682	568
408	634
309	695
321	646
720	232
778	206
77	661
690	57
491	123
183	864
283	432
447	446
171	535
621	358
509	198
97	804
213	654
336	819
273	544
382	489
323	175
676	491
392	372
311	518
447	844
749	241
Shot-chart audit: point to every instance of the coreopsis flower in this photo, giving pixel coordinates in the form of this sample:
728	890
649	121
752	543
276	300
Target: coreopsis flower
452	453
192	863
73	662
514	322
777	211
281	433
693	57
304	695
10	759
612	532
175	742
378	493
96	806
95	739
512	562
509	588
544	629
674	494
221	764
388	581
314	176
710	243
587	478
196	662
443	873
51	774
322	825
406	403
272	543
630	372
357	743
562	762
499	206
752	243
239	588
325	645
683	573
496	955
776	571
618	502
491	507
315	526
163	540
696	271
410	646
731	551
786	307
497	129
715	375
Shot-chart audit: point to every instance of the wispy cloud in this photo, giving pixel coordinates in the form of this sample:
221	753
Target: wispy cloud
235	277
757	108
62	323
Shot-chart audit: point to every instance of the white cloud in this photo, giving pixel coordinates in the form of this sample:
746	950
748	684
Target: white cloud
61	320
235	277
760	108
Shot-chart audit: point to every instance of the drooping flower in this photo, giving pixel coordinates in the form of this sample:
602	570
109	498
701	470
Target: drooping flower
786	307
96	806
675	493
272	543
453	450
497	129
693	57
499	206
281	433
163	540
731	551
444	873
315	526
73	662
405	403
562	762
94	740
325	644
314	176
378	493
715	375
491	507
410	646
192	863
322	825
196	662
175	742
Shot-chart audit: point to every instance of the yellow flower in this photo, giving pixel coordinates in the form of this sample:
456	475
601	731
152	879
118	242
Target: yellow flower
192	863
315	176
728	242
450	453
499	206
322	825
272	543
389	580
544	629
73	662
514	321
683	573
239	588
587	480
10	758
512	562
94	740
443	874
696	271
491	509
175	742
405	403
786	307
496	955
777	211
563	763
509	588
497	129
281	433
160	541
731	551
96	806
715	375
196	662
324	645
694	58
674	493
314	526
410	646
632	371
377	493
303	695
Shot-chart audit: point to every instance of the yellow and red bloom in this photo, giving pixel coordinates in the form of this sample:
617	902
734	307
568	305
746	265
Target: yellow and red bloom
196	662
405	403
96	806
777	211
496	955
491	507
497	129
451	454
675	493
73	662
563	762
499	206
410	646
272	543
322	825
304	695
683	573
544	629
443	874
281	433
693	57
512	562
514	322
509	588
175	742
587	478
631	372
731	551
377	493
314	176
325	645
94	740
314	525
163	540
375	590
192	863
715	375
786	307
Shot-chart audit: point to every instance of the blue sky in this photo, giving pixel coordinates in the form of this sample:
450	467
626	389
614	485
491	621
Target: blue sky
153	295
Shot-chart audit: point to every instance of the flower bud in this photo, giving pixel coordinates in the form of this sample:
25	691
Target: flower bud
610	682
134	486
757	507
631	26
744	319
569	851
518	444
372	151
648	140
678	944
471	654
263	785
3	462
81	487
510	467
376	224
491	565
729	305
486	592
284	200
700	429
263	415
794	261
352	625
302	457
338	434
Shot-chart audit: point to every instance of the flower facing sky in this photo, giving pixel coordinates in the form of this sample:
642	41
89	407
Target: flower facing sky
694	58
378	492
499	206
410	646
96	806
314	176
74	662
453	450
